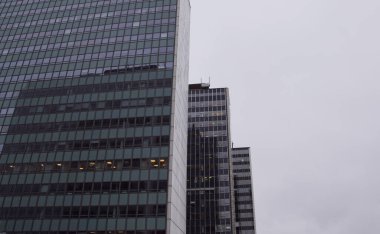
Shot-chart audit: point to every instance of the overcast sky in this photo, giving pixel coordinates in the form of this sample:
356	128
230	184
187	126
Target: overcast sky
304	79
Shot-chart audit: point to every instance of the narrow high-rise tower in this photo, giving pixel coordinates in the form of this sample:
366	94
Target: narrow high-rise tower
210	197
93	116
243	188
219	180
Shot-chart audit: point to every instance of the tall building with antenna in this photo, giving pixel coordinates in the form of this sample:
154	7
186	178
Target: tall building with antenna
93	116
219	178
210	197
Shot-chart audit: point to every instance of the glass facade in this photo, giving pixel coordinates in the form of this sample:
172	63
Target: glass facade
244	205
93	101
210	202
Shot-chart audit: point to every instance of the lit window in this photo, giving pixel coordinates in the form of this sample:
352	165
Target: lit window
154	163
162	163
91	165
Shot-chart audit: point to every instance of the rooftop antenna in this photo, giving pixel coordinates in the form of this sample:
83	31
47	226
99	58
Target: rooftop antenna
209	82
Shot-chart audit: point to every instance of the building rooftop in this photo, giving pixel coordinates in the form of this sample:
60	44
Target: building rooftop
199	86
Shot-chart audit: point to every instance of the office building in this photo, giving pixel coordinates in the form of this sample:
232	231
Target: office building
244	204
210	202
93	116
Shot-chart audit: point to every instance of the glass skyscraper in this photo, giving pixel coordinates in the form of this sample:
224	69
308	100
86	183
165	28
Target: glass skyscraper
210	196
93	116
